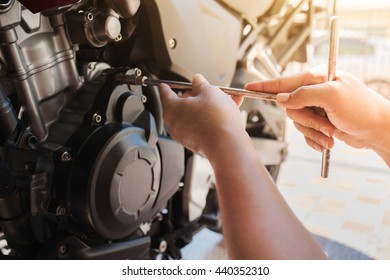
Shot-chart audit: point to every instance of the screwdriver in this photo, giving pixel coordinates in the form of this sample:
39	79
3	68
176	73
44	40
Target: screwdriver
333	50
136	79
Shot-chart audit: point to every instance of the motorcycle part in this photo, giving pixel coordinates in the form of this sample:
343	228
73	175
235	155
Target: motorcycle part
93	27
125	8
333	49
8	118
43	5
144	81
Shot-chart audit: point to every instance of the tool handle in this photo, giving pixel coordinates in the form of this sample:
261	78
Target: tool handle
333	50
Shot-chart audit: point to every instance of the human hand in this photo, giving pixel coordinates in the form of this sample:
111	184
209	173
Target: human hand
355	114
203	117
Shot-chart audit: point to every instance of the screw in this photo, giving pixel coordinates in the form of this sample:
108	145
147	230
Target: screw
144	99
163	246
60	210
172	43
118	38
30	140
66	157
138	72
62	249
160	245
97	119
89	16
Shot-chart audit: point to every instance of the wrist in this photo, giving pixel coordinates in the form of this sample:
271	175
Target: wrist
228	145
381	137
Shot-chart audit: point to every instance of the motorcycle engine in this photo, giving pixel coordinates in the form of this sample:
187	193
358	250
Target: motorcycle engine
89	159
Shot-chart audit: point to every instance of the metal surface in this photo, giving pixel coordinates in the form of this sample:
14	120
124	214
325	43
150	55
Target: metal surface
37	65
216	29
333	50
144	81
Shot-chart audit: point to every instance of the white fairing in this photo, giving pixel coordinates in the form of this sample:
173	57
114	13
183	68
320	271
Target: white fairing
250	8
204	47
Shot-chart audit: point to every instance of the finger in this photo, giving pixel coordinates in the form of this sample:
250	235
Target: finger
238	100
288	83
314	145
168	101
319	95
199	83
315	136
187	93
307	117
166	93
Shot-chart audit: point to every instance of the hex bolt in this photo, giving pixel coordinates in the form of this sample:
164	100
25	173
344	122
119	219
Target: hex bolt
66	157
172	43
97	119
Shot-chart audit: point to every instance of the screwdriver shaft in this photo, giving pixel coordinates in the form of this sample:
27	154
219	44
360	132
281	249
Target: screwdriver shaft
144	81
333	50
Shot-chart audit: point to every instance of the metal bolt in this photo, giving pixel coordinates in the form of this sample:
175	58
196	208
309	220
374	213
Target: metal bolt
162	247
60	210
97	119
89	16
30	140
144	99
138	72
172	43
62	249
159	245
66	157
118	38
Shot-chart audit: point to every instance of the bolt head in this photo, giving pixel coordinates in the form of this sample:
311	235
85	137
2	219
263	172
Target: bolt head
97	119
62	249
172	43
66	157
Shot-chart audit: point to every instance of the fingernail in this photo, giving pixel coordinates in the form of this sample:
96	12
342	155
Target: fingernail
283	97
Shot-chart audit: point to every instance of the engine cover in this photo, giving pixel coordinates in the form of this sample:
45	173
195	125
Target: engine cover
123	182
122	171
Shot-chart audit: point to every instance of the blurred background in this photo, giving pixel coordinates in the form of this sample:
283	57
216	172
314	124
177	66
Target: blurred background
349	212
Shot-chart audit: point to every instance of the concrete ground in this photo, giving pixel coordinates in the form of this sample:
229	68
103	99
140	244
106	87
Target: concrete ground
351	208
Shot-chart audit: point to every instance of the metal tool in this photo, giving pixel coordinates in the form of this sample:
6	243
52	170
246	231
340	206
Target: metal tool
144	81
333	50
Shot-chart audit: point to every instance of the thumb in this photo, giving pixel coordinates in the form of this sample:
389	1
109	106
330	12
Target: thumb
198	79
167	95
198	83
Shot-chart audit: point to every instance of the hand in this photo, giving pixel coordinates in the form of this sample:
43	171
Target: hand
203	117
355	114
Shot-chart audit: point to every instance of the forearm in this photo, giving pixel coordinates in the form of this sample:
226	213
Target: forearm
257	222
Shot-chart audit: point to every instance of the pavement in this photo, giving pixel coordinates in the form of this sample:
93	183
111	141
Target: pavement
349	212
